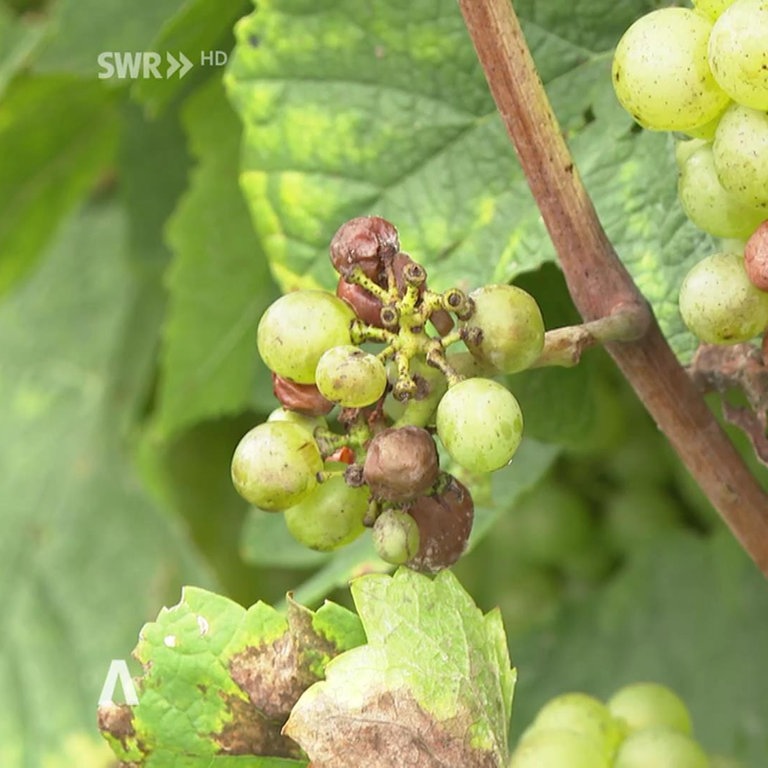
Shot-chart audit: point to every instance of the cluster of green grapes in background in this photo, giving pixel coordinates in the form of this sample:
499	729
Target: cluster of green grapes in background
703	73
643	725
599	506
366	380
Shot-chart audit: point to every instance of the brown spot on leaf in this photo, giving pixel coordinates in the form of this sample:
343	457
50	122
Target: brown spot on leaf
117	721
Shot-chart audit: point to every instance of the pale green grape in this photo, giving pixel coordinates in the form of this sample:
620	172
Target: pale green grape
738	52
511	325
719	304
297	328
709	205
740	152
310	423
647	705
559	748
584	714
396	536
660	71
350	376
684	149
712	8
660	747
480	423
275	465
330	517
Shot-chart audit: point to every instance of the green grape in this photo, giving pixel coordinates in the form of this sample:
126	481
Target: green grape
660	71
275	465
330	517
559	748
648	705
584	714
685	148
719	304
296	329
738	52
709	205
480	423
350	376
740	152
660	747
310	423
395	536
511	325
712	8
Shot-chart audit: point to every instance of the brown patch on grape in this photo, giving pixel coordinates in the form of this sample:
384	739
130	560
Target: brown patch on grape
756	257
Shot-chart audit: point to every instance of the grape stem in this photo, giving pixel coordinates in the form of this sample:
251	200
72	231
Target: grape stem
598	281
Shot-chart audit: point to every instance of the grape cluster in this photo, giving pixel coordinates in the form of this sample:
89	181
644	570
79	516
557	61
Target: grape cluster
643	725
703	72
380	468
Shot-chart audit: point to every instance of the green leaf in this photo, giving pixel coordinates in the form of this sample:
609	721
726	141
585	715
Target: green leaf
433	685
85	555
200	28
219	679
349	111
688	612
19	37
219	282
58	135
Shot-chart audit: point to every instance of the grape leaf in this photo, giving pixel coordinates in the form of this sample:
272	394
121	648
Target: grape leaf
58	134
665	618
432	687
85	554
221	680
19	37
350	110
219	282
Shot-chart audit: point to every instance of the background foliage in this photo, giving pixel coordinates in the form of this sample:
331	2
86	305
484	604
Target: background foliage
144	227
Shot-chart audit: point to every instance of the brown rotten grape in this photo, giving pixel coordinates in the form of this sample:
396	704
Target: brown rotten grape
302	398
445	522
756	257
364	242
401	463
366	306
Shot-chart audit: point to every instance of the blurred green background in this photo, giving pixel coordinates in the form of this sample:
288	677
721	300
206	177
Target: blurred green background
145	224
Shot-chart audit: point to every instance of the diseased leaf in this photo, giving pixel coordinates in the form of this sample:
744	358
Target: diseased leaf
350	109
219	283
432	687
221	680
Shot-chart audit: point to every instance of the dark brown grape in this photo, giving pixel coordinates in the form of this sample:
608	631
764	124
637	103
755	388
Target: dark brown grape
303	398
756	257
366	306
401	464
366	242
445	522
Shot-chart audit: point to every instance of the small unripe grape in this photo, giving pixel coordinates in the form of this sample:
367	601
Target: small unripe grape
297	328
719	304
302	398
364	242
445	523
646	705
738	52
480	423
511	325
558	748
661	74
756	257
395	536
401	463
712	8
310	423
330	517
350	377
659	747
275	465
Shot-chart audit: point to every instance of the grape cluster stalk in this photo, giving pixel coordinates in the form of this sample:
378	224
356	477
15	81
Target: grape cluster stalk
702	72
378	353
642	725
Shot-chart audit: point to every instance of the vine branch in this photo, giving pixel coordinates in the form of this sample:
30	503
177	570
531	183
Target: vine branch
600	285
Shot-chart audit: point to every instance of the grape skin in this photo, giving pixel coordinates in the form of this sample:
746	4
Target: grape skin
712	8
395	536
660	747
661	74
298	328
480	423
350	377
275	465
330	517
558	748
738	52
648	705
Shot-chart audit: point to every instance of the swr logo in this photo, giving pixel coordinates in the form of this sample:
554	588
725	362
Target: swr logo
140	64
